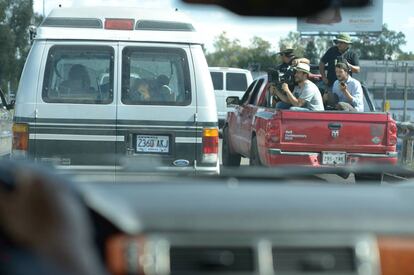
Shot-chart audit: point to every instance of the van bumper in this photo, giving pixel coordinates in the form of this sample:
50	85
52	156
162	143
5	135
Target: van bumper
276	157
163	170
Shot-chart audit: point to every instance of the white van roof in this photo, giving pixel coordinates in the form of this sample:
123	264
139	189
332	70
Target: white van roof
228	69
118	24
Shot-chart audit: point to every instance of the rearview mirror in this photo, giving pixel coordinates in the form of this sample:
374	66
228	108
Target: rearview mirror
4	101
11	105
232	100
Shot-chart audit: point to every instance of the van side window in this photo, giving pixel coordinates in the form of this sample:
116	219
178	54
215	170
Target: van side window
217	78
155	76
236	82
79	74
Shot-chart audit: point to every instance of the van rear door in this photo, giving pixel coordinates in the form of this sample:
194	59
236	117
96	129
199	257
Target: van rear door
156	107
218	84
75	108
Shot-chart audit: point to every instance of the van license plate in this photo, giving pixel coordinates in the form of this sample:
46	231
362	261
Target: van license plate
153	144
333	158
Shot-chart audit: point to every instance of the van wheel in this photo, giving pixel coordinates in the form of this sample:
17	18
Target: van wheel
254	154
228	158
369	178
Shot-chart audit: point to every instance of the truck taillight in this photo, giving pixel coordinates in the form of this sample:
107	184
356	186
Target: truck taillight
392	133
20	137
210	145
273	132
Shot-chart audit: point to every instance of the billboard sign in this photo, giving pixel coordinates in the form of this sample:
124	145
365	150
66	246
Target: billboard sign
367	19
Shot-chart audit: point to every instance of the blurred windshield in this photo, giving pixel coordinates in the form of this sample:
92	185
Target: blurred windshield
210	93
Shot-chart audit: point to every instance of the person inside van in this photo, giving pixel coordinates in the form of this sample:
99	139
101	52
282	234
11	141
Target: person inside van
163	90
140	92
78	79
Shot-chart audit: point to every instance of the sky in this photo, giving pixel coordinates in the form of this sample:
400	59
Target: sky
212	20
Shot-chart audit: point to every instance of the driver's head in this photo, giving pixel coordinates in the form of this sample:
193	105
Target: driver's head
302	72
163	80
78	78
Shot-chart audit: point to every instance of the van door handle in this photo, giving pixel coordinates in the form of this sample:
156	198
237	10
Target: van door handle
334	126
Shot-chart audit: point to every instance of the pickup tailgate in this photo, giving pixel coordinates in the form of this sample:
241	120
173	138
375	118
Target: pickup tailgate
334	131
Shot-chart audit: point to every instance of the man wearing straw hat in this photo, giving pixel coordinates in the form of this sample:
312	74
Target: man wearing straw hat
306	95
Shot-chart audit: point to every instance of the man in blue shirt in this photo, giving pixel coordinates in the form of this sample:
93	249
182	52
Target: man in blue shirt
347	94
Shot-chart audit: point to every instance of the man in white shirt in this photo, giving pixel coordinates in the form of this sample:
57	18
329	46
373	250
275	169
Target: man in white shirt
306	95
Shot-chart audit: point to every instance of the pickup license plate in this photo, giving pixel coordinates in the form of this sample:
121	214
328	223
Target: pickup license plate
153	144
333	158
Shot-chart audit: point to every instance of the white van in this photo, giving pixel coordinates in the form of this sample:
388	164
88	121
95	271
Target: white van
104	88
228	82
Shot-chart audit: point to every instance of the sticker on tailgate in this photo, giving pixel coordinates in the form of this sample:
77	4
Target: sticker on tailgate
290	135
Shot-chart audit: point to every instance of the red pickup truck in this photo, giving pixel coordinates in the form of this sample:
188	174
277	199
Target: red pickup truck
273	137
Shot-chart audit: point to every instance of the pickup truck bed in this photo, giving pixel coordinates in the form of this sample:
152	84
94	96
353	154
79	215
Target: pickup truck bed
273	137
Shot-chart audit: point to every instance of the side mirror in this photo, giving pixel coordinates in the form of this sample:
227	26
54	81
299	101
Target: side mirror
11	105
232	100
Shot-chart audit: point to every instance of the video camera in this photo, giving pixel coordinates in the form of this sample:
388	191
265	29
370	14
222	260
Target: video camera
278	77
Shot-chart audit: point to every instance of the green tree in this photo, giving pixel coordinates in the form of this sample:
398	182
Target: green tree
406	56
387	44
322	43
15	19
230	53
7	56
293	40
312	48
311	52
259	52
227	52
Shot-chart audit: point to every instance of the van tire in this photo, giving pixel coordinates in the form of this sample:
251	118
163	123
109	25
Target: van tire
228	158
254	154
368	178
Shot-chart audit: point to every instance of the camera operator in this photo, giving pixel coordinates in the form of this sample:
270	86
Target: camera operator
306	95
284	73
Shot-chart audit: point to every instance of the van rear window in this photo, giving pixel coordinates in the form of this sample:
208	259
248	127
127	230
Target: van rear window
236	82
155	76
79	74
217	78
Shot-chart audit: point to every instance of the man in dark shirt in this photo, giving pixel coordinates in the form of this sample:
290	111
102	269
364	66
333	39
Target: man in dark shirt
340	51
290	60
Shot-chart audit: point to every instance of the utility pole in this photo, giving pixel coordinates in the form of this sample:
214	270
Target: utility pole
44	9
405	92
384	95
